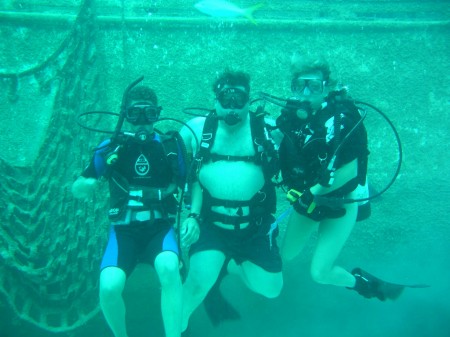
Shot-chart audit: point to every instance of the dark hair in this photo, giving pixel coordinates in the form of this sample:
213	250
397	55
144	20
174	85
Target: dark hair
232	78
141	93
301	63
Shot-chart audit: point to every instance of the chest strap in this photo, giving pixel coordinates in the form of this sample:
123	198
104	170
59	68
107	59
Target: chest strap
258	199
235	221
217	157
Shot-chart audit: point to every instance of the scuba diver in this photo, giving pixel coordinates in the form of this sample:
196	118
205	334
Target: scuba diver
233	199
323	160
142	168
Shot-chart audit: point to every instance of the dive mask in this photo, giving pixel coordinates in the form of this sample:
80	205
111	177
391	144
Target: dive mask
232	98
307	86
142	113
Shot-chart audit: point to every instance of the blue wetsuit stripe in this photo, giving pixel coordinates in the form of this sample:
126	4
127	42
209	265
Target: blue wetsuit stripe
99	160
170	242
110	258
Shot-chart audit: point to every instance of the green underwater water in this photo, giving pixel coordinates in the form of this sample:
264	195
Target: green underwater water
393	57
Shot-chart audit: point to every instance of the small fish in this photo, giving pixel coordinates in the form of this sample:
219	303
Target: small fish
226	9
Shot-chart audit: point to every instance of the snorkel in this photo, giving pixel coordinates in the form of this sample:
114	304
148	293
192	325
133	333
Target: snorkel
123	107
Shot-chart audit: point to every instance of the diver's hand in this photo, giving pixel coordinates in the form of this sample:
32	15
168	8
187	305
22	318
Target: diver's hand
314	207
303	202
83	188
190	231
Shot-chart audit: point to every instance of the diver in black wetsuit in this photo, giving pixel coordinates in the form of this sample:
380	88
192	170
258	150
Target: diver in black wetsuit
233	198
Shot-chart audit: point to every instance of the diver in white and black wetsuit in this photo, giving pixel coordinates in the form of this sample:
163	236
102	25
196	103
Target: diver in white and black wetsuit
323	158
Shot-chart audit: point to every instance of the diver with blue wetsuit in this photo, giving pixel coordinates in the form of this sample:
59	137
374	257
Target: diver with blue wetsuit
141	166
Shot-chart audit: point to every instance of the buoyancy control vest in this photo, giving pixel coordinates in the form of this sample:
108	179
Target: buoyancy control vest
143	176
266	156
334	136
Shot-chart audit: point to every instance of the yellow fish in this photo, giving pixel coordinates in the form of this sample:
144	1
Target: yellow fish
226	9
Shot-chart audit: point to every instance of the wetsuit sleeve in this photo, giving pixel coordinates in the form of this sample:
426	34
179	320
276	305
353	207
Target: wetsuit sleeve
97	166
89	171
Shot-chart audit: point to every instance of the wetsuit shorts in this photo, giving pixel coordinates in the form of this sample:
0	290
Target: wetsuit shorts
255	243
138	242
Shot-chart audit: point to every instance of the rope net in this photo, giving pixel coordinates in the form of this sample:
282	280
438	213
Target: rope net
50	244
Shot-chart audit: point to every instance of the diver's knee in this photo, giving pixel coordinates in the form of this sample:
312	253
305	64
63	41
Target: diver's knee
168	268
319	275
273	292
112	283
109	292
272	289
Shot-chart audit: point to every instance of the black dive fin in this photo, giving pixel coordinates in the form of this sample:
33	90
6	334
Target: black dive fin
217	307
370	286
388	290
417	285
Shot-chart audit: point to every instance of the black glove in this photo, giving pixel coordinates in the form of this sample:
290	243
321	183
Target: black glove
305	203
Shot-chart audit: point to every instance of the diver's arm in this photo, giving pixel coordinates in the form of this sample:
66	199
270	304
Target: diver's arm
342	176
186	135
192	133
83	187
190	230
197	198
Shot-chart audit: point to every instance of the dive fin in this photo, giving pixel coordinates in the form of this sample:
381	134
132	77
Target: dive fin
389	291
217	307
370	286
